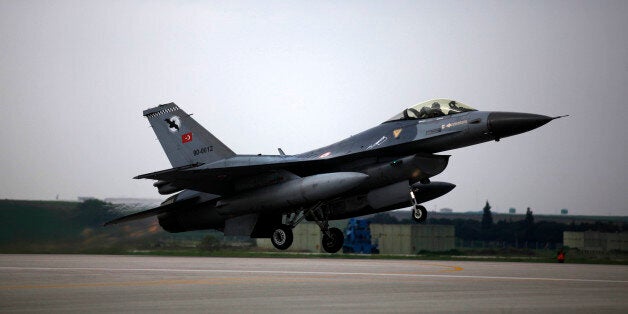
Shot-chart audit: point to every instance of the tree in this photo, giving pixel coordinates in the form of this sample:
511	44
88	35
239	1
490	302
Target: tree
487	217
529	226
529	217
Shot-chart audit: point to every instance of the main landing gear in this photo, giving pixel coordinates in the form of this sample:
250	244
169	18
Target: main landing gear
333	238
419	213
282	237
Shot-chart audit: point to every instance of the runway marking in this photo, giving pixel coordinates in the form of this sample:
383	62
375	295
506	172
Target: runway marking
207	281
451	268
318	273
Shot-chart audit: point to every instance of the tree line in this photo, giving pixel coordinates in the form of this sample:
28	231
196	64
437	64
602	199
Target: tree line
526	230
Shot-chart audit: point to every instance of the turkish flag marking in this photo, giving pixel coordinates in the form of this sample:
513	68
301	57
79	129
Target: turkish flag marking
187	137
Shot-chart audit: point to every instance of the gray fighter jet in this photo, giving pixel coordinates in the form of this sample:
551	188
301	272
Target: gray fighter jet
383	168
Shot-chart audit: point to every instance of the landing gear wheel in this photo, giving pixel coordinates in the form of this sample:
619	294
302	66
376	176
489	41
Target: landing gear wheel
282	237
333	243
419	213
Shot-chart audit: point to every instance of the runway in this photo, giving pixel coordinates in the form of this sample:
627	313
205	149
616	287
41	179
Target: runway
93	283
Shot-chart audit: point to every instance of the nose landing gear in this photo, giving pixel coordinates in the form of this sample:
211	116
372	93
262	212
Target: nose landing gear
419	213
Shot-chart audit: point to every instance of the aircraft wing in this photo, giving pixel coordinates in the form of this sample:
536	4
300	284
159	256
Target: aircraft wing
223	180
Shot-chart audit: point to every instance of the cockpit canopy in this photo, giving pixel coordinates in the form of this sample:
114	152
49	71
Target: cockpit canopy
432	109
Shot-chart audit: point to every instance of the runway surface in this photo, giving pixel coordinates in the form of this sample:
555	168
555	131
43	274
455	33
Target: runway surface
92	283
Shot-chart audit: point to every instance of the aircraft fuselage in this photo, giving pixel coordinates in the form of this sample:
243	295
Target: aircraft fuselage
383	168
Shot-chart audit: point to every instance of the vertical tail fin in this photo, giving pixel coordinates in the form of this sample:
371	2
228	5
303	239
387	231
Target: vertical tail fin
183	139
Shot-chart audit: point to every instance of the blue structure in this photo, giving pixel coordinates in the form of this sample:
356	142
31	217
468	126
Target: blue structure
358	237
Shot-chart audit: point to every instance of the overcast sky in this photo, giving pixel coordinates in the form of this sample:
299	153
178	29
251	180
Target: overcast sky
76	75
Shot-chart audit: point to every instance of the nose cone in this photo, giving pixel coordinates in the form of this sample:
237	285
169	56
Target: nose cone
503	124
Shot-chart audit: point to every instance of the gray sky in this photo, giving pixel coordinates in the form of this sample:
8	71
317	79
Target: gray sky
76	75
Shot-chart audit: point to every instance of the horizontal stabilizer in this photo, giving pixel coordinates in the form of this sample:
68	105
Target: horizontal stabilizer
151	212
155	175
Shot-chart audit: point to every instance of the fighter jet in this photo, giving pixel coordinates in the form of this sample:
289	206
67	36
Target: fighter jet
386	167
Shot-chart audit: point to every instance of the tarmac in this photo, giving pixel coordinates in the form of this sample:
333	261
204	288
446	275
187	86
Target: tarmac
100	283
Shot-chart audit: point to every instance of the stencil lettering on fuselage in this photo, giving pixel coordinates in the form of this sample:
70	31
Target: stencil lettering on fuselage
378	143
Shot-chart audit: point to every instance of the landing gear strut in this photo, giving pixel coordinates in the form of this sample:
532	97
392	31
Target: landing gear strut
333	238
419	213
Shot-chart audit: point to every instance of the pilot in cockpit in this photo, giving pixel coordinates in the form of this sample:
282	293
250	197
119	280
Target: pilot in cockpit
453	108
434	111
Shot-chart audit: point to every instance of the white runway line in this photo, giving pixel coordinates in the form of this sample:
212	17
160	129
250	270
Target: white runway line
322	273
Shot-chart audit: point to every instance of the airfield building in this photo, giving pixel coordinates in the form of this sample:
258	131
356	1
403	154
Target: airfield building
391	239
596	241
411	239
